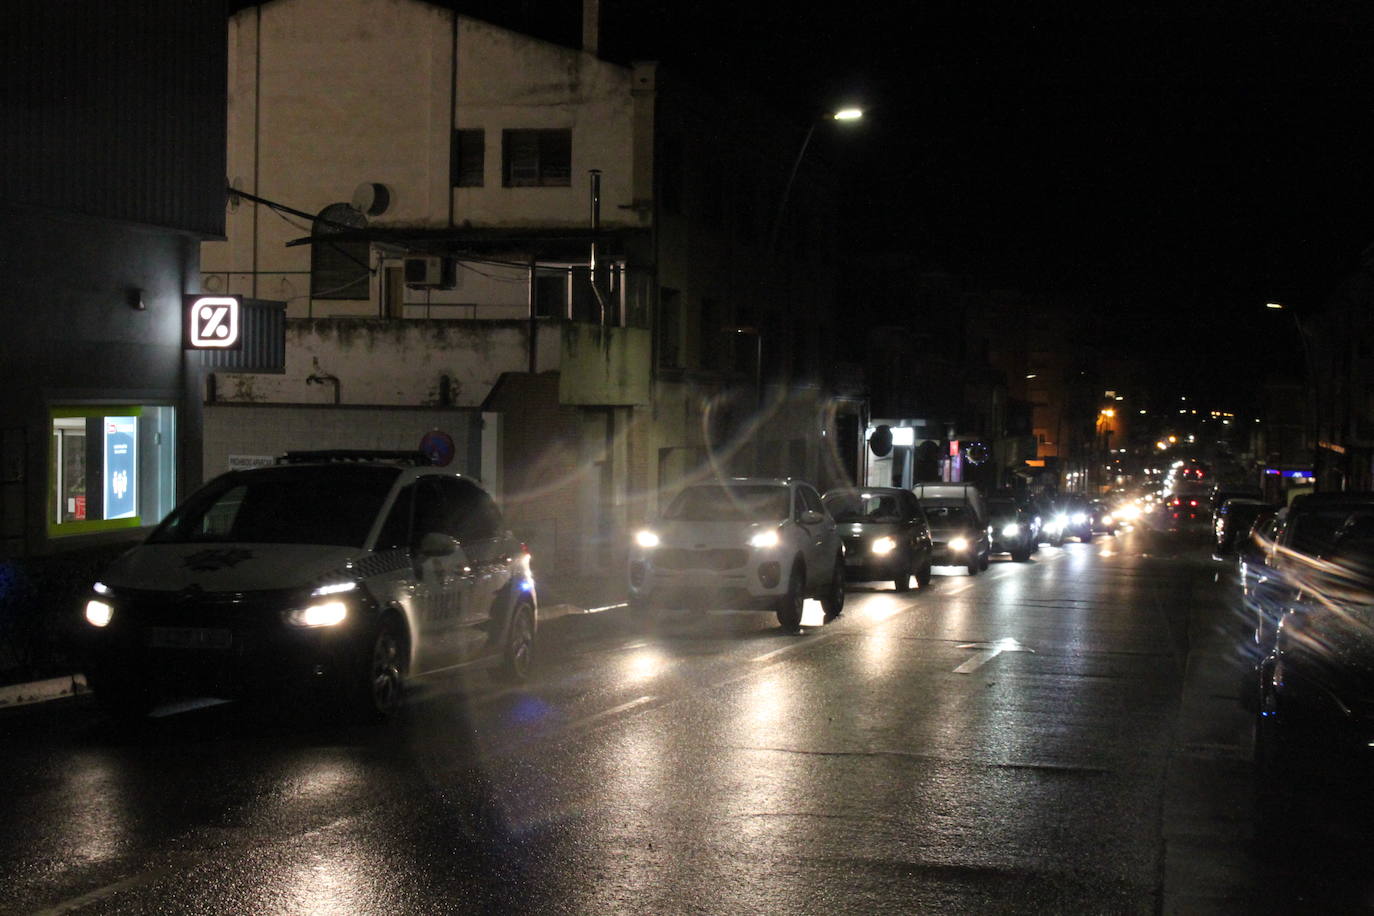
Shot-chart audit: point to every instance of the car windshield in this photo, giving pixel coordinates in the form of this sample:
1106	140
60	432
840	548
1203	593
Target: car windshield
1001	508
334	505
730	504
863	507
948	516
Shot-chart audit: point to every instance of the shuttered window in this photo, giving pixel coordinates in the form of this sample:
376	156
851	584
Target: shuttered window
537	158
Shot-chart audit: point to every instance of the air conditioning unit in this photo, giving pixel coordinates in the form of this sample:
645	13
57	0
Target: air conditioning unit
430	273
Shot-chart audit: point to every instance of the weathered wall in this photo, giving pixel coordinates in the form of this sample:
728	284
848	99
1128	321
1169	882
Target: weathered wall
269	430
387	362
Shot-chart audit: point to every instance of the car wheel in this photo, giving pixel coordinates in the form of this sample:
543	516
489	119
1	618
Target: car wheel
518	657
121	697
790	604
833	601
985	561
381	684
902	581
1057	541
923	576
641	607
974	566
1021	556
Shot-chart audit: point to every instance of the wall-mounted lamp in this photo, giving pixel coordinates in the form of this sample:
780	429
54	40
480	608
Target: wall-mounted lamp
134	297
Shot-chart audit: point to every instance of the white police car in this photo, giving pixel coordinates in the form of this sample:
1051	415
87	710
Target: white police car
348	571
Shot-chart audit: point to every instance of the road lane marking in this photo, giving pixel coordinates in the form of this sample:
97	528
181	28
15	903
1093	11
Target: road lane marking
71	905
606	713
988	651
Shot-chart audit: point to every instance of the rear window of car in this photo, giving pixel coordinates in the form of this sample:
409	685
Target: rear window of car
945	516
730	504
331	505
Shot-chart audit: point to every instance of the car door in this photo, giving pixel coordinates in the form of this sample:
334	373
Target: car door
443	581
822	539
490	553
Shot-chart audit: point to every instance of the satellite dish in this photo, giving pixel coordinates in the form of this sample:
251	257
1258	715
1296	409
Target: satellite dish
371	198
880	442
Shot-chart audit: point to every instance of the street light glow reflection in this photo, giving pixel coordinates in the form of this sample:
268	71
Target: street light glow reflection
848	114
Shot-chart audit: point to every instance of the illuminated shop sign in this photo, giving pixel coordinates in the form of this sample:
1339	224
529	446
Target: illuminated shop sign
212	322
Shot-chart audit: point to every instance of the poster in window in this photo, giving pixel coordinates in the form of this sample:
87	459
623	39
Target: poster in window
121	467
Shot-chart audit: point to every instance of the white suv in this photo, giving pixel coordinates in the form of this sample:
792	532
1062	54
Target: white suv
746	543
350	571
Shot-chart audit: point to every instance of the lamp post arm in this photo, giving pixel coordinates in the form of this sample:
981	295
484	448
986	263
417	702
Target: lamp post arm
787	191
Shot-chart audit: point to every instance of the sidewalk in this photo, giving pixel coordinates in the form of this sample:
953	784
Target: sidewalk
568	596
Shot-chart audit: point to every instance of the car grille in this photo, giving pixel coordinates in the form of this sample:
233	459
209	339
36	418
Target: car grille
234	610
854	546
682	558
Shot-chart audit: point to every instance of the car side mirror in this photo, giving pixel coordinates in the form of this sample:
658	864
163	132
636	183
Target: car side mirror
437	544
812	517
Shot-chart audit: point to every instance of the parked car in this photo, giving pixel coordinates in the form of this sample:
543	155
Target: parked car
885	535
1303	534
742	543
1013	528
349	572
1317	683
1232	520
958	524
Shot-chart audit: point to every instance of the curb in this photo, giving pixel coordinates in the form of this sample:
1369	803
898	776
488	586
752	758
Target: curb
55	688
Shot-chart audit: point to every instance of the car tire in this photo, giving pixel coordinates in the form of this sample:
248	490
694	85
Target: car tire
642	608
1021	556
1057	541
923	576
985	561
380	687
517	658
902	581
121	697
789	610
833	600
974	566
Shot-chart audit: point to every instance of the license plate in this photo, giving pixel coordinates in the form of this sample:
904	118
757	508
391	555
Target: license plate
189	638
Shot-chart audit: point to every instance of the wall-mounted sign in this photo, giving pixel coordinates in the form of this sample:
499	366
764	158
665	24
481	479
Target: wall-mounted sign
212	322
438	445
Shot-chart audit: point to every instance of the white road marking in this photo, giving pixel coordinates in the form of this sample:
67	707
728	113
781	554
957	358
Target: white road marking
989	651
606	713
71	905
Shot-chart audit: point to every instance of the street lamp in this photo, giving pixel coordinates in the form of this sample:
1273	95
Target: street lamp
843	114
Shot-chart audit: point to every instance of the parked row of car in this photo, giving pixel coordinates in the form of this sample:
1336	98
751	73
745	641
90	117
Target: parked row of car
1307	583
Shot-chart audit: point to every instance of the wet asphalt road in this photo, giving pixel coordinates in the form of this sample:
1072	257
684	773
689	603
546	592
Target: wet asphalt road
1063	735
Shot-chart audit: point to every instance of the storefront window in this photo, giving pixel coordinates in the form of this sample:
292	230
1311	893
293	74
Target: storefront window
110	466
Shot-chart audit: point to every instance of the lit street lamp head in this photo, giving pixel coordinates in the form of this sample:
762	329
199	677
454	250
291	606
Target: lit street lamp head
1278	306
848	114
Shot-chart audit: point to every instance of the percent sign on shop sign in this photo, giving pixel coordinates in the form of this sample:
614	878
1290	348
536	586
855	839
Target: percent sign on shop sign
213	322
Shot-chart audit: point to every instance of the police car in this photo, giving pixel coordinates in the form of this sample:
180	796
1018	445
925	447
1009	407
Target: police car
348	572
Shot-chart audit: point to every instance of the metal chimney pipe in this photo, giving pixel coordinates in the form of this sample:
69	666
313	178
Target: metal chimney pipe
596	230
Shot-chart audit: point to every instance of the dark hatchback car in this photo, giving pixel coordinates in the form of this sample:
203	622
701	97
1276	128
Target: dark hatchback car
1316	685
1232	520
339	575
1013	528
885	535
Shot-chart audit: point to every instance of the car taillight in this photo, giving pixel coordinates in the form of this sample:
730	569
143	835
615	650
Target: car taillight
1192	502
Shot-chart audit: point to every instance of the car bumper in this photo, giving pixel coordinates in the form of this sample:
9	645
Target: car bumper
758	584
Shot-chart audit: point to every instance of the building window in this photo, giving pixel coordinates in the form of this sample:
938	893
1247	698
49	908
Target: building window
537	158
110	466
338	270
669	329
469	157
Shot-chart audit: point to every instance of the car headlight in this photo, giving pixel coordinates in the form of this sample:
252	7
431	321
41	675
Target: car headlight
1107	518
320	614
883	545
765	539
958	543
1079	518
646	538
1011	530
98	613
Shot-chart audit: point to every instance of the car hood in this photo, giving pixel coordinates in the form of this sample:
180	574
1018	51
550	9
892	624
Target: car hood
868	529
225	567
700	535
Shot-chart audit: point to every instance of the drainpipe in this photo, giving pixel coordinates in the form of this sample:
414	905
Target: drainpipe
596	231
319	378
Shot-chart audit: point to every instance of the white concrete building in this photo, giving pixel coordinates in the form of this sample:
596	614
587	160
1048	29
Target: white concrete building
420	189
